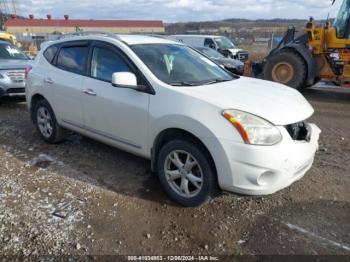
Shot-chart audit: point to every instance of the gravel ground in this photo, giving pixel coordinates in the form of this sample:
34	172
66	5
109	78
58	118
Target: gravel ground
83	197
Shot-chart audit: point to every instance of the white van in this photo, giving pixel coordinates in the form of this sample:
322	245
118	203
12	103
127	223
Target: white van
220	43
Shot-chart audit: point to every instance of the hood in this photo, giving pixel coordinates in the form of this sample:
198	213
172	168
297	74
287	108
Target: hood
276	103
14	64
232	62
236	50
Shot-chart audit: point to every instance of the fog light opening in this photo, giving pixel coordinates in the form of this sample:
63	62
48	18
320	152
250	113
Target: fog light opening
267	178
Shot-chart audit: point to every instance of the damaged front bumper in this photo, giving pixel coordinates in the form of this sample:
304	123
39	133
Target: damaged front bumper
262	170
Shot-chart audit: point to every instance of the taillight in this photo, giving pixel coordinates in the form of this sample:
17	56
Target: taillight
27	70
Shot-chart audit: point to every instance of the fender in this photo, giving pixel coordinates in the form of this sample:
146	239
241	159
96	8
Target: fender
306	54
188	124
198	130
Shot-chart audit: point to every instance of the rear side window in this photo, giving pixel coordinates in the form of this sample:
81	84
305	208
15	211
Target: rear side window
50	53
73	59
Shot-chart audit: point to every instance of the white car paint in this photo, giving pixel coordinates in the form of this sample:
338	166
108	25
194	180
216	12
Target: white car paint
132	120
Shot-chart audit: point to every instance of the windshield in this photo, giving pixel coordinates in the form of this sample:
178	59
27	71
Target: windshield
210	53
341	22
8	51
224	43
179	65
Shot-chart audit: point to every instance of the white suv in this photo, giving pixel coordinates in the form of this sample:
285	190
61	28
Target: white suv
203	128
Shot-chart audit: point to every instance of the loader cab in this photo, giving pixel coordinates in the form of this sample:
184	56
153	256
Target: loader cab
342	22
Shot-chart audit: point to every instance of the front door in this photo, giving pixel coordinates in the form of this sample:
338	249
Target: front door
116	114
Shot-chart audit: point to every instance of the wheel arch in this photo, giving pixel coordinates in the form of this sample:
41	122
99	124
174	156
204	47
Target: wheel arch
34	99
170	134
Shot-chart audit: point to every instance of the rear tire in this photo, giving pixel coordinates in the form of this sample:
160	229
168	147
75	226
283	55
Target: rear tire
46	123
185	173
286	67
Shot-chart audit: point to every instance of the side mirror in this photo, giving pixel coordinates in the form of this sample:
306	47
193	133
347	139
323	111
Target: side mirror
124	80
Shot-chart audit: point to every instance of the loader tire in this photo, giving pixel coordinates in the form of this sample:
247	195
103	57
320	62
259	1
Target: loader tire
286	67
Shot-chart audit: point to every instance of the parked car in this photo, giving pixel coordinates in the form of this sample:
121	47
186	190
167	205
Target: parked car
219	43
14	65
202	128
232	65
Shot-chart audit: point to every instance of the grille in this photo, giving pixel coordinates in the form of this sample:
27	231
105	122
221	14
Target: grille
299	131
243	56
16	76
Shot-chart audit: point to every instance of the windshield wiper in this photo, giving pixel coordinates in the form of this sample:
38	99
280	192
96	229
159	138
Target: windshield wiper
182	84
218	80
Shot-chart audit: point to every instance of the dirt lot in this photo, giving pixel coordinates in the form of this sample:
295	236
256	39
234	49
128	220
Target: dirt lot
89	198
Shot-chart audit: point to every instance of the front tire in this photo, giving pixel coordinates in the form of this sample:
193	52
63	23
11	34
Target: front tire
185	173
46	123
286	67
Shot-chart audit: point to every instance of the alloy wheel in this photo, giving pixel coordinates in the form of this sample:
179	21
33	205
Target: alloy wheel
44	121
183	173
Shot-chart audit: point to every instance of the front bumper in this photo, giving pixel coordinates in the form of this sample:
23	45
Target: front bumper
262	170
16	91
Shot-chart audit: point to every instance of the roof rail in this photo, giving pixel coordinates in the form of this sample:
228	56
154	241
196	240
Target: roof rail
85	33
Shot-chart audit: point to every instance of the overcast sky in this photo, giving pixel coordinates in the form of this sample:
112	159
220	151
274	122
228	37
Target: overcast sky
178	10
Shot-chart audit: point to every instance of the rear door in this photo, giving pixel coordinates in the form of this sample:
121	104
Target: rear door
119	115
66	80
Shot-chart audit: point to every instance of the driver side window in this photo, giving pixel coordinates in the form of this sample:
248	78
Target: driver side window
106	62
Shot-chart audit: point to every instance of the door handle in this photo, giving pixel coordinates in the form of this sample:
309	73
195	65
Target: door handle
49	80
89	92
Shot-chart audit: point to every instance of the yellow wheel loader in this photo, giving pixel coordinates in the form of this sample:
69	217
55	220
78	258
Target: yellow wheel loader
322	52
4	36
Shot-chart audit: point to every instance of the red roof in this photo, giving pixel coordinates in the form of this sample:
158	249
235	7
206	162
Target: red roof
82	23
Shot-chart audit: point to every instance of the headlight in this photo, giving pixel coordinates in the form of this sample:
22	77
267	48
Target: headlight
254	130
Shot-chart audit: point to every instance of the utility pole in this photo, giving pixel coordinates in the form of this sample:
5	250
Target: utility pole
272	39
14	7
3	14
7	8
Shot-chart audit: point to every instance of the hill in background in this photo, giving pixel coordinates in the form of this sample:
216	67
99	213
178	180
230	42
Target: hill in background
243	31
